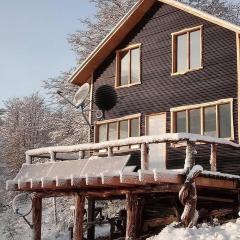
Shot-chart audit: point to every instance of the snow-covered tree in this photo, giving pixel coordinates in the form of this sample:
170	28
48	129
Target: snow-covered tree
27	124
220	8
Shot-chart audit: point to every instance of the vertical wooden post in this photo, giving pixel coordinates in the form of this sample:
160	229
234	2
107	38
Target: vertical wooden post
28	159
213	157
144	156
37	217
236	205
53	156
91	218
132	212
79	217
110	151
81	155
190	156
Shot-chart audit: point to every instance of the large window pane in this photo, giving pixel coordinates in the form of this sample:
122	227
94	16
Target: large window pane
182	53
102	133
210	121
181	121
125	61
112	131
195	49
135	131
195	121
225	120
123	126
135	65
123	129
134	128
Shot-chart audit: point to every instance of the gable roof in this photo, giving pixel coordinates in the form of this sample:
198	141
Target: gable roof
125	25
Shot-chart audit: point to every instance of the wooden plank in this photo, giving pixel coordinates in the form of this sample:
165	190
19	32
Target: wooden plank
168	177
78	181
216	183
79	217
130	178
146	176
37	217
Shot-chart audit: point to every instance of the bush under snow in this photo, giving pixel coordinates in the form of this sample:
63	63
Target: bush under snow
228	231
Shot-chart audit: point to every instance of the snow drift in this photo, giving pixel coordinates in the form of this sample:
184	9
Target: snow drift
228	231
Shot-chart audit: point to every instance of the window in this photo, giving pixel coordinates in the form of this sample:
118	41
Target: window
120	128
187	50
213	119
128	66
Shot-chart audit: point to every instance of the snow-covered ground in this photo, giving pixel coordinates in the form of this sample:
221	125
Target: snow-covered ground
228	231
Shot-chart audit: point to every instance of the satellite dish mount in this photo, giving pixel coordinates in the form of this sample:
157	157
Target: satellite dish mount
79	100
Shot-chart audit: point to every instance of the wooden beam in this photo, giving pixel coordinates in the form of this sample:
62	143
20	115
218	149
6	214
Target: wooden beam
132	213
216	183
79	217
144	156
213	158
37	217
91	218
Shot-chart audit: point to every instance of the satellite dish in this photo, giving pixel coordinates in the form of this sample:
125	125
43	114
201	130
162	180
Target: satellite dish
105	97
79	99
22	204
81	95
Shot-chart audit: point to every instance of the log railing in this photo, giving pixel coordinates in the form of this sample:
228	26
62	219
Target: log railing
144	142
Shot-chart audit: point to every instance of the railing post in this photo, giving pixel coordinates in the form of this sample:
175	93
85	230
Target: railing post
81	155
190	156
213	157
144	156
110	151
52	156
28	159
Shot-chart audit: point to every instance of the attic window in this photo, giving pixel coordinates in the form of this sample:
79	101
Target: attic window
128	66
187	50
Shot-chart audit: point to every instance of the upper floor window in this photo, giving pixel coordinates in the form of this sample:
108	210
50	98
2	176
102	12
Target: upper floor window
213	119
120	128
128	66
187	50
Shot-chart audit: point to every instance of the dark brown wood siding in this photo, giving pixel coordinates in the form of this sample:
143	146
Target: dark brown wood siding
160	91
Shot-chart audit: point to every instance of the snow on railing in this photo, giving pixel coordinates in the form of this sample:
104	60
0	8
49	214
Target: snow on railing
144	141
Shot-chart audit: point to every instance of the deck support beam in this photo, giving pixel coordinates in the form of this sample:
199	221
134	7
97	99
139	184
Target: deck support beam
132	216
37	217
79	217
91	219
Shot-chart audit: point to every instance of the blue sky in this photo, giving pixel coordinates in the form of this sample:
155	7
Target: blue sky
33	42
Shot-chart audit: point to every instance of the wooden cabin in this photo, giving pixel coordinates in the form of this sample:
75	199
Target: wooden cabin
174	75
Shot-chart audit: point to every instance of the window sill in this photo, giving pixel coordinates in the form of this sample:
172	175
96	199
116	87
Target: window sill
128	85
188	71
